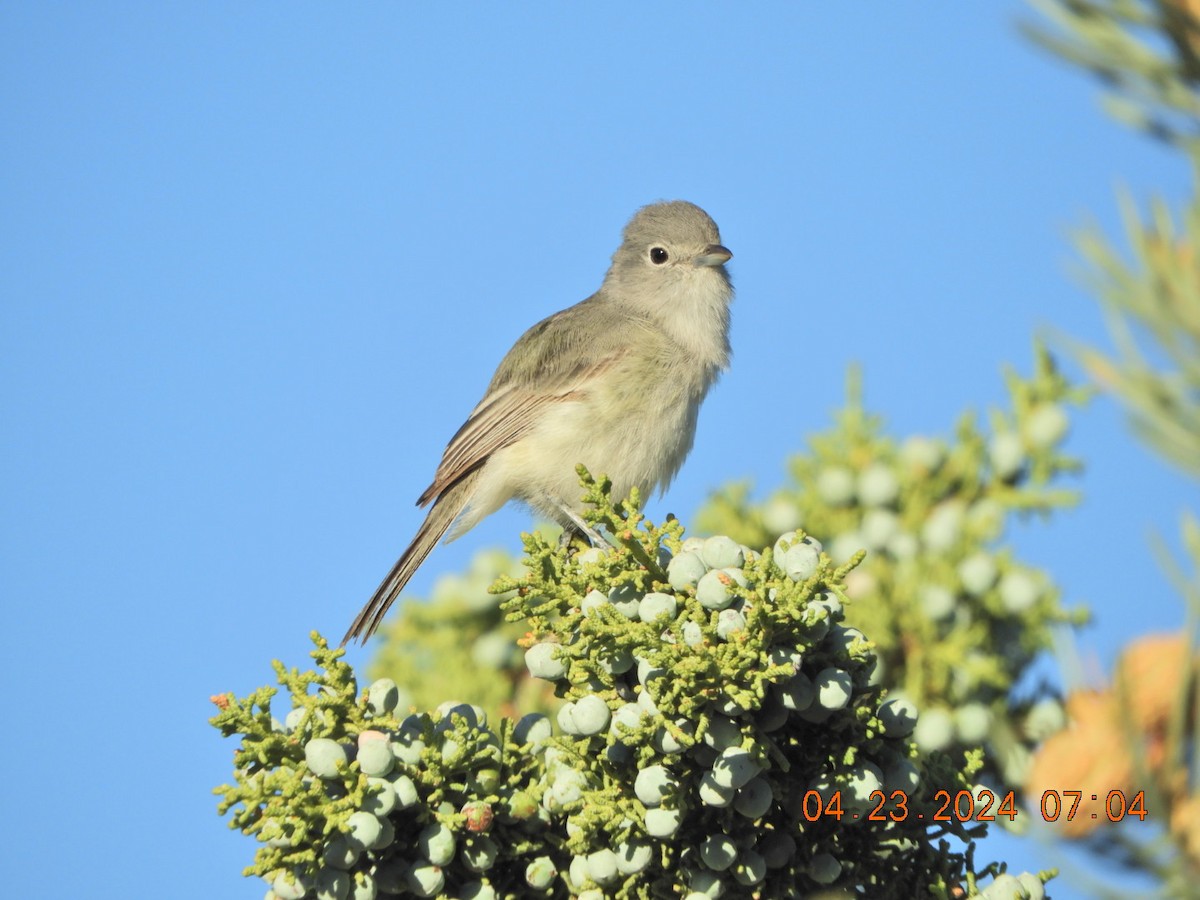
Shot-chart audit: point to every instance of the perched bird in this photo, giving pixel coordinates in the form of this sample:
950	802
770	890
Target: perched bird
614	382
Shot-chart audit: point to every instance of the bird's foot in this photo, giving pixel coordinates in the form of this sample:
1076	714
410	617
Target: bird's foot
578	527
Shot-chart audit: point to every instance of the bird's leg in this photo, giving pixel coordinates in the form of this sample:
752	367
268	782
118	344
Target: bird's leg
569	535
577	526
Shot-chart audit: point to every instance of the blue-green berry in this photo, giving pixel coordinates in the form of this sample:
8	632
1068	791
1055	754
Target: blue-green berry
375	758
936	601
1007	454
381	798
721	552
898	716
729	623
944	525
877	485
716	589
823	868
662	822
325	758
540	873
1019	591
365	830
834	688
685	570
934	729
633	857
718	851
653	784
591	714
750	868
533	728
921	454
542	662
657	605
977	573
425	879
835	485
437	844
602	866
777	848
713	793
754	798
289	885
972	722
382	696
734	767
479	852
626	598
1047	425
332	885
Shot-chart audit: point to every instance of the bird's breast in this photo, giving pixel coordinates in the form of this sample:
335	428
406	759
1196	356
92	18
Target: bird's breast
635	423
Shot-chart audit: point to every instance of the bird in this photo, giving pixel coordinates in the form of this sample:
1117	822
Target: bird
614	382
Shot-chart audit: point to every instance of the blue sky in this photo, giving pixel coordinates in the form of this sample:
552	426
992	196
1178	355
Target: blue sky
257	262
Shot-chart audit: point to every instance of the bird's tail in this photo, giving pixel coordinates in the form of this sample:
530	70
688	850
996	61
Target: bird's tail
445	510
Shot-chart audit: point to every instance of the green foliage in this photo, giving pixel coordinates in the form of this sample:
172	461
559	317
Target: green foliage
1147	56
1152	304
785	694
955	617
1146	52
457	644
721	734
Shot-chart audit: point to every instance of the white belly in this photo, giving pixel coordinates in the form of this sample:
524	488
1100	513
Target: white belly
637	441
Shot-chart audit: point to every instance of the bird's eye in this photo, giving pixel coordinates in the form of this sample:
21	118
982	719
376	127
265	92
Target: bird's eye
658	255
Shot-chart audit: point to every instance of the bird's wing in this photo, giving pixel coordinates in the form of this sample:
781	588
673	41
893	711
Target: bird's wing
552	362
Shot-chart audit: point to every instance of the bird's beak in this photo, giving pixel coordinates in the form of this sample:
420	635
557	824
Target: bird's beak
714	255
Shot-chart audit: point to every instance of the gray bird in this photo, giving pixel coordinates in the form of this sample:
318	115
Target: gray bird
614	382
